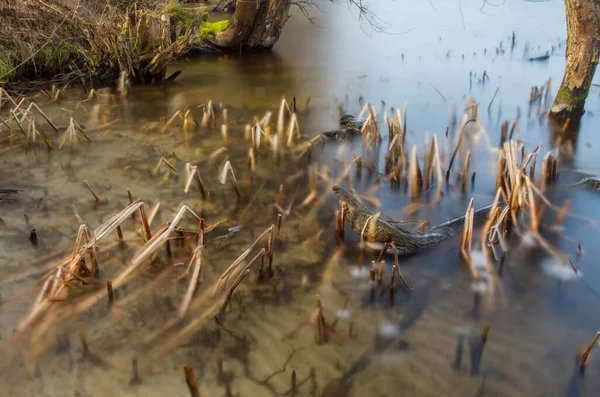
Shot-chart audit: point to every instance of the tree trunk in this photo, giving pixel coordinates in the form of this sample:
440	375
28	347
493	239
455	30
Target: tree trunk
256	24
269	22
240	27
583	49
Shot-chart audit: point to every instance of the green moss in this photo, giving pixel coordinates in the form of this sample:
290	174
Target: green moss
209	29
564	95
178	13
575	98
6	70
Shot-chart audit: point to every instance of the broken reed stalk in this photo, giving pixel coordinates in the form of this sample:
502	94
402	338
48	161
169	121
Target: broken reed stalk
145	225
194	175
241	276
397	268
321	332
466	171
533	215
70	267
293	125
416	184
197	278
438	169
281	117
467	235
161	161
279	219
109	290
338	226
429	164
135	379
221	284
294	388
270	248
141	255
229	168
380	272
587	352
460	138
190	379
92	191
120	233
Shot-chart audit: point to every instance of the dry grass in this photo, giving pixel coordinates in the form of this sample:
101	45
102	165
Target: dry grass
88	39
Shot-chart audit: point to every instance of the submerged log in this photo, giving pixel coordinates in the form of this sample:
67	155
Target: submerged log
583	50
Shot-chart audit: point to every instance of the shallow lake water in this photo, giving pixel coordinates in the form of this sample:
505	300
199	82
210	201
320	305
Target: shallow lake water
421	343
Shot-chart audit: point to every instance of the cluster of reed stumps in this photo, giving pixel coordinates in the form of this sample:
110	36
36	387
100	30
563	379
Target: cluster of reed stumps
82	266
518	187
519	207
25	124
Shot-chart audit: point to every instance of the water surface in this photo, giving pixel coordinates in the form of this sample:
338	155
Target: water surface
433	58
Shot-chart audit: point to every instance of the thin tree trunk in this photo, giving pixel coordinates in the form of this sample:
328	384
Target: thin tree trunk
583	50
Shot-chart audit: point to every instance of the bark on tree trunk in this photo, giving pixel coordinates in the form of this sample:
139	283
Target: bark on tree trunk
240	27
271	17
256	24
583	50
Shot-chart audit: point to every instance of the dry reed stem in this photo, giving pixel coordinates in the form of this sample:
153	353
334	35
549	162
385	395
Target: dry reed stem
109	291
279	219
197	278
293	125
415	175
397	267
190	380
170	121
532	213
468	227
438	169
159	238
587	352
145	225
92	191
161	161
241	276
194	175
429	164
363	110
220	285
460	138
380	271
234	183
466	171
189	122
153	212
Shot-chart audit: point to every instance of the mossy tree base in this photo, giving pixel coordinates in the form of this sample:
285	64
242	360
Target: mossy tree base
568	105
583	50
255	25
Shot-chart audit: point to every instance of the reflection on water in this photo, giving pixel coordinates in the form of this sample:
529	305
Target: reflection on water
423	343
